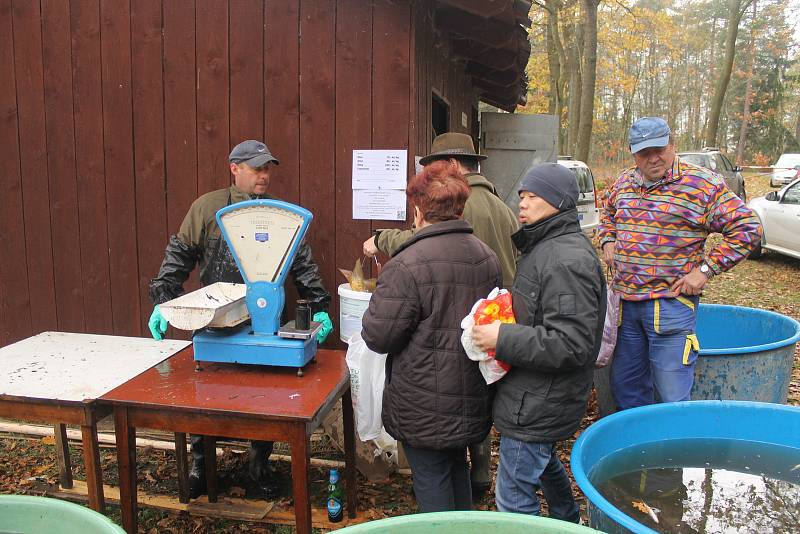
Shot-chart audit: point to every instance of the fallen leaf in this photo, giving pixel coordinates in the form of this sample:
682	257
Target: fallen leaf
49	440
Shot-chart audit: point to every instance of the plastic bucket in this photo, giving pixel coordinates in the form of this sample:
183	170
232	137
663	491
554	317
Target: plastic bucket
25	514
352	305
477	522
745	354
762	423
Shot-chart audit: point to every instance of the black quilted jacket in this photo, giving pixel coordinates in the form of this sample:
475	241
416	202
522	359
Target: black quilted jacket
435	397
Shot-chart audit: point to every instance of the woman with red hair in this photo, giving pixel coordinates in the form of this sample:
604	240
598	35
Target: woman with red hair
435	400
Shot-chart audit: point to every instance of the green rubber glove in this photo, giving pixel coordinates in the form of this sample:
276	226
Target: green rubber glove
157	324
327	325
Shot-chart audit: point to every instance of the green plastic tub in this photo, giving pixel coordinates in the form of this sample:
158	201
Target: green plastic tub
24	514
478	522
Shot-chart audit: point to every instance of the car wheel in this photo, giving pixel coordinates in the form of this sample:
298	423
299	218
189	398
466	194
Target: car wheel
757	253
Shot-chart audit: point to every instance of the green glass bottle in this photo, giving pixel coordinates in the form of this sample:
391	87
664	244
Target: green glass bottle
335	509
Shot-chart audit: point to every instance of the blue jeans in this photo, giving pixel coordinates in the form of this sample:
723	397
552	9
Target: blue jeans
656	351
524	468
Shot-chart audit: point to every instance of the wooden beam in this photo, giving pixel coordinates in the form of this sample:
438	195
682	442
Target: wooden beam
490	32
481	8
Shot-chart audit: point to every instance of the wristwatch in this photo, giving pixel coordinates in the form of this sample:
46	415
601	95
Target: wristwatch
706	270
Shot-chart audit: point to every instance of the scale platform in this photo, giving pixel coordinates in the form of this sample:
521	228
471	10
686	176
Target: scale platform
263	237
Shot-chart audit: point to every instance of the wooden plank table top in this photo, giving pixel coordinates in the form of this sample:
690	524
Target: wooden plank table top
74	368
239	401
55	377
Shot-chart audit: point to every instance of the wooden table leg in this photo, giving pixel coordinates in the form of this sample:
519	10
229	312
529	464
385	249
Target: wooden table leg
183	467
62	452
91	461
210	452
349	454
126	465
301	465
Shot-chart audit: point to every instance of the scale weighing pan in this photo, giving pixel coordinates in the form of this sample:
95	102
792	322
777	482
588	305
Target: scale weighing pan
220	305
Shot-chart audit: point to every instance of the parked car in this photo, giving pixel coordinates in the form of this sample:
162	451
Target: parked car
588	211
714	160
785	170
779	212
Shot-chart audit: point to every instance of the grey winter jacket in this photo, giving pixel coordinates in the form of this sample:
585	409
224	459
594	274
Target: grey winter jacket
434	397
559	296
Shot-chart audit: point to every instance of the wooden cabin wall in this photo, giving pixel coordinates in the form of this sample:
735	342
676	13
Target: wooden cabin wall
115	116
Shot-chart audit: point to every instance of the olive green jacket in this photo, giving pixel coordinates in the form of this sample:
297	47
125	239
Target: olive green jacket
492	222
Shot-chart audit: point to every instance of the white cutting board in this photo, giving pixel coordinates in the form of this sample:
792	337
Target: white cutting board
77	367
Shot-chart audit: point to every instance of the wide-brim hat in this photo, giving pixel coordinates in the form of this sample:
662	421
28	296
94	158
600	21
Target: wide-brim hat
451	145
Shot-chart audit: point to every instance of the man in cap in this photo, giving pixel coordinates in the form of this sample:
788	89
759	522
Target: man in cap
492	222
559	298
200	242
653	232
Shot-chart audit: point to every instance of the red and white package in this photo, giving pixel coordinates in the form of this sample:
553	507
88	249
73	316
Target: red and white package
496	307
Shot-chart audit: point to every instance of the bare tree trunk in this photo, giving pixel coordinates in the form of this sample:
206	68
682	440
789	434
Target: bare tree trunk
748	93
734	16
557	62
574	102
588	78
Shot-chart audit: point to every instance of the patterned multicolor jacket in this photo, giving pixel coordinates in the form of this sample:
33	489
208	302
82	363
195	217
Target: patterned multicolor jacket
660	230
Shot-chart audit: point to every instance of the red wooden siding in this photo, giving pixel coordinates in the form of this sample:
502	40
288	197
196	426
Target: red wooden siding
115	116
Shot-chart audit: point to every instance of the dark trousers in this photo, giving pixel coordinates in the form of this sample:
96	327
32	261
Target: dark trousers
198	455
441	478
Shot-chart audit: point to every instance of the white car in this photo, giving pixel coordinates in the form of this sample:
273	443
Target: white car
779	212
588	212
784	170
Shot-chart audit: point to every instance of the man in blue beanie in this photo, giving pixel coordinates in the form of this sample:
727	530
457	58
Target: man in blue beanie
559	296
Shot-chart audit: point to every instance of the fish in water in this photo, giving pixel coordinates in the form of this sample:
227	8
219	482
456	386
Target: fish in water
646	509
795	468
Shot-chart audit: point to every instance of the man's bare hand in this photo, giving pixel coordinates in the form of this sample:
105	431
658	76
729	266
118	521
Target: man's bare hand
369	247
608	253
690	284
485	336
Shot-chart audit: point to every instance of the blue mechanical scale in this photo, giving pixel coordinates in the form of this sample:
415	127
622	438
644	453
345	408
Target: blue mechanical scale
263	237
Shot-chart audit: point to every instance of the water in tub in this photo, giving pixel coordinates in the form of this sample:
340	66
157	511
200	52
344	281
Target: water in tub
705	486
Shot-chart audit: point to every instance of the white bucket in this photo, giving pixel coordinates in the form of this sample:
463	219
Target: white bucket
352	305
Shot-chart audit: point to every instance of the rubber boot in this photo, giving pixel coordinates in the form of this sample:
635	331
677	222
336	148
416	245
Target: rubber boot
480	467
258	467
197	473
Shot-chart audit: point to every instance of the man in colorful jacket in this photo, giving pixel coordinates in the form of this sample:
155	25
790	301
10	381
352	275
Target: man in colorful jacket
653	233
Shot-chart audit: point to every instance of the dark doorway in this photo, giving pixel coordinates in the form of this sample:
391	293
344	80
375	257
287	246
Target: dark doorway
440	115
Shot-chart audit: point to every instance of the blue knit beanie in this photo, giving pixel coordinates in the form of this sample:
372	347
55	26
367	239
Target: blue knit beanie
554	183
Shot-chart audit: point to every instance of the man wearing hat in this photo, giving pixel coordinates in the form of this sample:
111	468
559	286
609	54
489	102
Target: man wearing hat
200	242
492	222
559	297
653	232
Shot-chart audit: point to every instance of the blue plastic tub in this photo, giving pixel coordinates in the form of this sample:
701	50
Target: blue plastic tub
763	423
745	354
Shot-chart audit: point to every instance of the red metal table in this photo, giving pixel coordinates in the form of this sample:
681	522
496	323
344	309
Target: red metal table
241	401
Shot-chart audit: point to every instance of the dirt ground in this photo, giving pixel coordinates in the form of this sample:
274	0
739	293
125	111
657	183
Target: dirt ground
769	283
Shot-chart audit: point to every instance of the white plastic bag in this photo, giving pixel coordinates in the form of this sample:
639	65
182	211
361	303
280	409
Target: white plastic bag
491	369
367	376
610	328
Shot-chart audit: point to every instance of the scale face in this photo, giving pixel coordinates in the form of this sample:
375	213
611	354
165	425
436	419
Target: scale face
263	237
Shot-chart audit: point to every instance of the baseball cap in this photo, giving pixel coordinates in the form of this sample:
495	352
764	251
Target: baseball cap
253	153
648	132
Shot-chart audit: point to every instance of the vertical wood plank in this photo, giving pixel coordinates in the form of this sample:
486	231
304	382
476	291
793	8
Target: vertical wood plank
62	454
92	215
15	306
115	43
180	125
353	128
33	163
62	164
212	96
246	70
317	128
391	78
148	143
282	97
